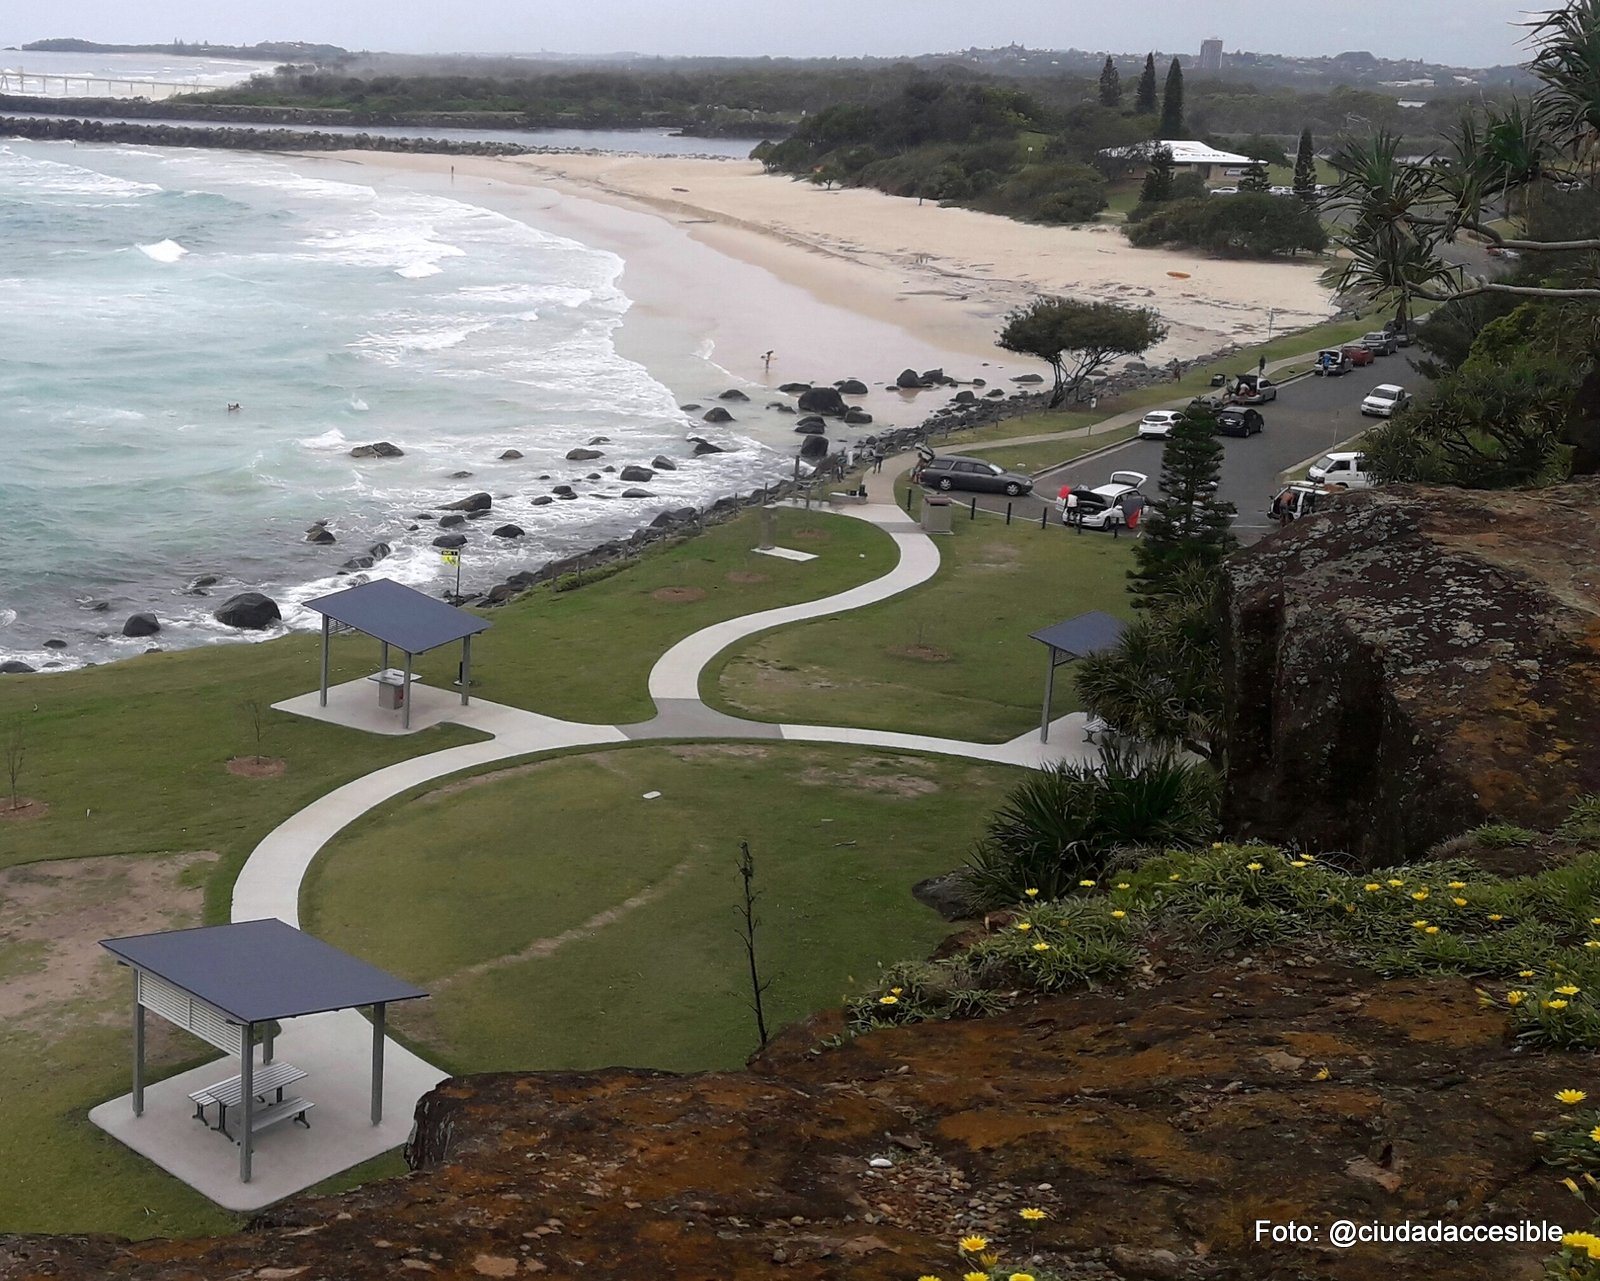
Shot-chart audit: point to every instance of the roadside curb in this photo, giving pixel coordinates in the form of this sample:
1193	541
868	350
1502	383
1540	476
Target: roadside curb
1087	456
1337	447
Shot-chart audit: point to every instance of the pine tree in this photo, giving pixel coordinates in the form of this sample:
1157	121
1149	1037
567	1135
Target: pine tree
1158	178
1172	104
1110	84
1187	526
1144	102
1256	177
1305	169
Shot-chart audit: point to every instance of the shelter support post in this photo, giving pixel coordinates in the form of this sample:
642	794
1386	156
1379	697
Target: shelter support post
377	1062
247	1090
1049	695
327	629
383	656
138	1049
268	1033
466	668
405	715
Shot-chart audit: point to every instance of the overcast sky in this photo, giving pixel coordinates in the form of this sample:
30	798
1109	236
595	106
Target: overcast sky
1464	32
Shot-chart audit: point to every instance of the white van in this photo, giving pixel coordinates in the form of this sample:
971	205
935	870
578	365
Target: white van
1342	471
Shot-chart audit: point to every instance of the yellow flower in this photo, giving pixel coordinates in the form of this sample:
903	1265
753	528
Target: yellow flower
1571	1187
1087	885
1524	974
1252	867
1459	902
1372	887
1458	885
1585	1241
1041	947
1516	997
1216	845
1595	1134
1571	1096
1021	1276
1591	942
1118	914
1421	894
975	1276
1297	862
888	1000
1495	916
1566	989
1394	884
1557	1004
896	990
1349	907
1594	920
1024	926
1123	885
1032	1215
928	1277
973	1244
1323	1075
1031	893
1309	858
1419	925
1175	877
1432	929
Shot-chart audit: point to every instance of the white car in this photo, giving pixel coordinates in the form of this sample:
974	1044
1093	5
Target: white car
1280	191
1094	506
1385	400
1158	424
1224	191
1341	471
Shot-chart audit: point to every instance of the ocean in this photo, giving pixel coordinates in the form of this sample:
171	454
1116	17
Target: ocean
146	290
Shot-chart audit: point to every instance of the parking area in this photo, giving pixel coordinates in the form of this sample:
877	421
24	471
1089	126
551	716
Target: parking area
1310	416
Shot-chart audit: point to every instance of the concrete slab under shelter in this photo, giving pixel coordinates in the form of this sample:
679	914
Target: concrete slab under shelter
354	705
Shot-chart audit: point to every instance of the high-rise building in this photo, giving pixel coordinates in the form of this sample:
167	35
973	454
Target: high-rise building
1211	54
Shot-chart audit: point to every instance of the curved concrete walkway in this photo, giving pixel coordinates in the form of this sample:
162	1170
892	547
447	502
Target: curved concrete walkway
269	883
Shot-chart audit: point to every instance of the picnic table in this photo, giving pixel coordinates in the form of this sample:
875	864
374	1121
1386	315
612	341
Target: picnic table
268	1079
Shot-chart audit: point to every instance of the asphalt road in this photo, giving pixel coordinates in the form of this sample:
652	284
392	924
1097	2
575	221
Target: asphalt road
1310	416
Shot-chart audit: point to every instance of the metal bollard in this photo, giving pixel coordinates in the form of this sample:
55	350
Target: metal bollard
973	513
1043	517
1008	513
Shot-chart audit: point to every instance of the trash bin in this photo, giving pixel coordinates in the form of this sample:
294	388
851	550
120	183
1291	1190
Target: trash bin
937	513
1219	380
391	690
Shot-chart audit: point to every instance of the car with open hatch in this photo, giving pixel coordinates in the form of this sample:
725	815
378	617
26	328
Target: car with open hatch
953	471
1251	389
1122	492
1332	361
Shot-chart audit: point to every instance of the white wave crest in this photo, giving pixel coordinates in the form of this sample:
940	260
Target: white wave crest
419	270
163	251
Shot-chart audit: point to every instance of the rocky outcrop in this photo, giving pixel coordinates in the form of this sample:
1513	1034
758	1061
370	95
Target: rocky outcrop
249	610
1413	663
381	449
582	455
637	474
141	625
822	400
471	503
716	414
1154	1123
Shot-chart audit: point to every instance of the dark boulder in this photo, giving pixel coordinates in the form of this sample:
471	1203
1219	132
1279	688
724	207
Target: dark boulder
452	520
857	416
934	376
1028	378
356	563
471	503
141	625
567	497
662	463
966	397
543	500
600	440
733	393
460	475
782	409
795	389
909	380
637	493
852	387
14	667
320	535
581	455
946	895
814	447
506	531
811	427
249	610
703	447
633	473
379	449
202	580
55	642
449	541
510	455
594	475
716	414
691	408
562	491
379	550
822	400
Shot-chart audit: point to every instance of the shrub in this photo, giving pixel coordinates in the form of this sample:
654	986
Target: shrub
1245	225
1502	836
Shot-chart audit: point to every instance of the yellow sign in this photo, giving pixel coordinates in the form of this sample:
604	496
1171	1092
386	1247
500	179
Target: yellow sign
450	558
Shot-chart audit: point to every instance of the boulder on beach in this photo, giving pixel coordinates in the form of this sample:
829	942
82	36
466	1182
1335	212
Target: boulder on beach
814	447
321	535
716	414
637	493
851	387
379	550
857	416
14	667
55	642
509	531
141	625
795	389
568	496
811	427
543	500
909	380
452	520
449	541
702	446
966	397
933	376
249	610
459	475
594	475
510	455
562	490
471	503
631	472
1028	378
691	408
600	440
822	400
378	449
733	393
662	463
582	455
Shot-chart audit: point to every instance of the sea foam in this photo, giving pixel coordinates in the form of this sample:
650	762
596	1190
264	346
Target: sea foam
163	251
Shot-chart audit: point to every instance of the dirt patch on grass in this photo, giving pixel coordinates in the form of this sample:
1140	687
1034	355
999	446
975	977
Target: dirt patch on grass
678	595
23	809
479	780
714	751
53	915
258	766
747	576
863	778
813	535
996	556
922	653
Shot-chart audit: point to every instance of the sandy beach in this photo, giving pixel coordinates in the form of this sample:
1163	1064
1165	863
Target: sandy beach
887	282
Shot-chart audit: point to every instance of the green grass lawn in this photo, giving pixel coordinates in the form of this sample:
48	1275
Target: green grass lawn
1040	457
952	657
585	655
562	921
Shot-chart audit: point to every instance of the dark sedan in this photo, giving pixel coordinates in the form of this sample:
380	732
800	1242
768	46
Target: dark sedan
952	471
1239	421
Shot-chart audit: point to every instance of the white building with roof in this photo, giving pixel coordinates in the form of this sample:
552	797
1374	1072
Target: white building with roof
1184	152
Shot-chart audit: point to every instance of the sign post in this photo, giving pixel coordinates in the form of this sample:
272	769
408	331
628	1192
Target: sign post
452	556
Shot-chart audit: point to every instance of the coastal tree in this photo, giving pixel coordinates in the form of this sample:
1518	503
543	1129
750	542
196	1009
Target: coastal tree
1305	169
1158	178
1110	84
1188	525
1171	125
1255	177
1144	99
14	749
748	922
1075	338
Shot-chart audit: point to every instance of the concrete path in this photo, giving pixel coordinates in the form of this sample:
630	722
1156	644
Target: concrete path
339	1044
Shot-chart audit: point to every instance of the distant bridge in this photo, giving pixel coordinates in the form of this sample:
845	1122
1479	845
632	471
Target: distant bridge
35	84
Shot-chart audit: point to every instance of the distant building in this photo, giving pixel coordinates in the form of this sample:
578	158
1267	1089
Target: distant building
1211	54
1202	156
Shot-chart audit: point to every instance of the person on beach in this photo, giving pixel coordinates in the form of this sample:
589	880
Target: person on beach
766	361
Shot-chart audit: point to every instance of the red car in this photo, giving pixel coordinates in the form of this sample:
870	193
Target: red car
1358	354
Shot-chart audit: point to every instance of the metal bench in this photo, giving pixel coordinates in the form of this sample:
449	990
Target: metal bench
283	1110
266	1079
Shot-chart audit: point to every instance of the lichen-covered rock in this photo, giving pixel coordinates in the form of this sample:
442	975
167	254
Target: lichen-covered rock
1413	663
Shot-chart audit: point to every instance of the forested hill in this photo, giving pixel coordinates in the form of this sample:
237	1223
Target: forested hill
266	51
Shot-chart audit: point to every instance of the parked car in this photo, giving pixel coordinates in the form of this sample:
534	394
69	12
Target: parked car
1334	360
1385	400
1239	420
952	471
1095	505
1303	498
1380	342
1404	335
1249	389
1500	251
1224	191
1358	354
1280	191
1341	471
1158	424
1209	402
